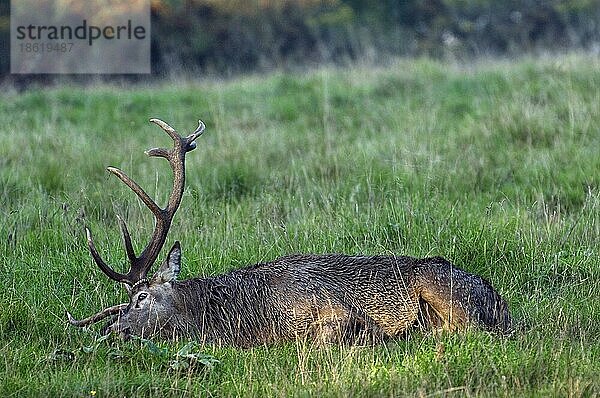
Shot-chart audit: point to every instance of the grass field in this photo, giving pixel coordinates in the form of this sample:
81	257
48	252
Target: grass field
495	166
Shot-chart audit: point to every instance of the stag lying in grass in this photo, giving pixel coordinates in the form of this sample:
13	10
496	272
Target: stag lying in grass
329	298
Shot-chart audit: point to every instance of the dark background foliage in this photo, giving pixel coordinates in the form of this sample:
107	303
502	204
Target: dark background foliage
226	37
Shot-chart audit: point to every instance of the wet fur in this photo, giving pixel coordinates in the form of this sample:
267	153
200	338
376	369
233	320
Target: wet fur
327	298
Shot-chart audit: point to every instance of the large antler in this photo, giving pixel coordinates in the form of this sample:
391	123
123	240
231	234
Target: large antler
140	265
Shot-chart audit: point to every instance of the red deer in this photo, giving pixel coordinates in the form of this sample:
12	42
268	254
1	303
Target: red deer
331	298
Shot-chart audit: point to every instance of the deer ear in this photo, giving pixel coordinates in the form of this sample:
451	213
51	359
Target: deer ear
169	269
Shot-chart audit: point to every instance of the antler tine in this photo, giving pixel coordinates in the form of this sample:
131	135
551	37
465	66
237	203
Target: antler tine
127	240
137	189
168	129
112	274
197	133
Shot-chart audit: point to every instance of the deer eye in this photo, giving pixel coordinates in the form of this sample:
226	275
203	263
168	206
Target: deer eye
142	296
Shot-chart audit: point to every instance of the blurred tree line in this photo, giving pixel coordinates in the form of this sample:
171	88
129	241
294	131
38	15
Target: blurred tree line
238	35
230	36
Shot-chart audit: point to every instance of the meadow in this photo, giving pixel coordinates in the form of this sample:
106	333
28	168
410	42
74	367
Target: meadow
494	165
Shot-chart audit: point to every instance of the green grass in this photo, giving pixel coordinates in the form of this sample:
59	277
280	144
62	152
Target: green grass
494	166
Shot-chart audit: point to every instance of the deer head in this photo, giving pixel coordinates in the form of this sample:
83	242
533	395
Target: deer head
150	300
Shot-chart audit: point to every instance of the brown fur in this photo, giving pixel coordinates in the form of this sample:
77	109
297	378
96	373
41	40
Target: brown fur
326	298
